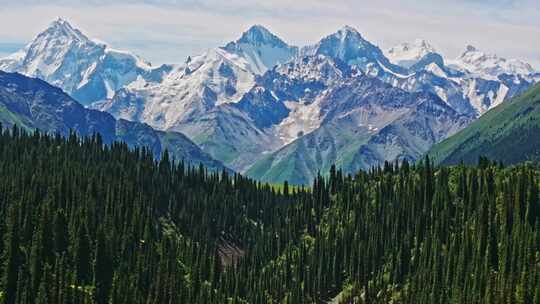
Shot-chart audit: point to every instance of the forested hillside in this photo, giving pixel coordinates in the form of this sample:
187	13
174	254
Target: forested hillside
508	133
82	222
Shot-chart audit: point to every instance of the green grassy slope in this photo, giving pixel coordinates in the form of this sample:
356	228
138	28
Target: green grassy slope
509	133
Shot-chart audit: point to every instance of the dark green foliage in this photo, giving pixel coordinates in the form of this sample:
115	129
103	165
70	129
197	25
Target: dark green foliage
88	223
103	269
508	133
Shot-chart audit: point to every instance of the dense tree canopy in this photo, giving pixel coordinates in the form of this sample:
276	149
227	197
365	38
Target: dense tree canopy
83	222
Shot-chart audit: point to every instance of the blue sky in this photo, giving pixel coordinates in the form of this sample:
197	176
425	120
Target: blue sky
170	30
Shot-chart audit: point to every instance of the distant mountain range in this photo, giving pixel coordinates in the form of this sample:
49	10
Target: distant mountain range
509	133
87	69
34	104
280	112
348	119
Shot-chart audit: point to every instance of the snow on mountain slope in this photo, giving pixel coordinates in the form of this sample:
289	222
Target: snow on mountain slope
364	122
408	54
261	49
221	75
471	84
348	45
257	95
86	69
490	66
300	85
205	98
33	104
281	107
188	91
423	69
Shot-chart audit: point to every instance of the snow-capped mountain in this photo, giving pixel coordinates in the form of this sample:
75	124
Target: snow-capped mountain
280	112
261	49
356	123
348	45
33	104
409	54
471	84
188	91
257	94
415	67
86	69
489	66
221	75
197	97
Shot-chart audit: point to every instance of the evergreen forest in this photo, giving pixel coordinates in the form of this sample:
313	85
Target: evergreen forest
83	222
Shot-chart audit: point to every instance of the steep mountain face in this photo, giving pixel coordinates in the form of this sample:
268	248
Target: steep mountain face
471	84
347	45
229	134
186	93
280	112
261	49
507	133
257	95
417	67
489	66
363	122
198	97
408	55
87	70
222	75
34	104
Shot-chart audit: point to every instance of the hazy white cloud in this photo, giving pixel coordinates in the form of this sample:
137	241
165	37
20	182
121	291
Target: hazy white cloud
170	30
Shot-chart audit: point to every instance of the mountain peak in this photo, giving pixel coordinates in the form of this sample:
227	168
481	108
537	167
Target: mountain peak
348	45
409	53
346	35
424	45
489	65
260	50
62	28
60	21
348	30
470	48
472	53
257	28
259	35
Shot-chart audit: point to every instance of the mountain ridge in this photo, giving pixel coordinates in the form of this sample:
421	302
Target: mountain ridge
507	133
373	122
88	70
256	95
32	103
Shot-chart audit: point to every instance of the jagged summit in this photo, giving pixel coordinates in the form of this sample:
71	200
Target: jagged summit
60	21
258	35
343	40
261	49
490	66
86	69
257	29
408	54
348	30
62	28
348	45
470	48
346	34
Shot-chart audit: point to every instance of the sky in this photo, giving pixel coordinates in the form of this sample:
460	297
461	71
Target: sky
167	31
